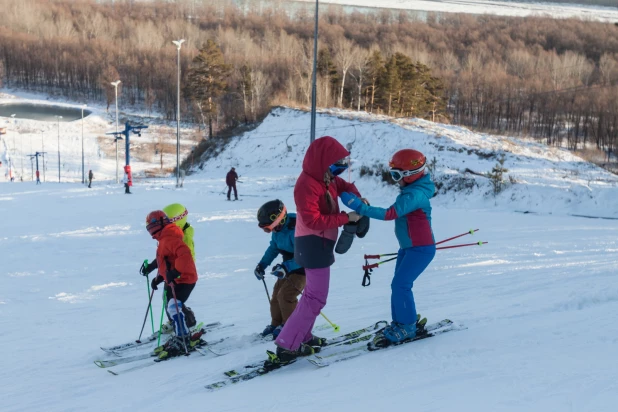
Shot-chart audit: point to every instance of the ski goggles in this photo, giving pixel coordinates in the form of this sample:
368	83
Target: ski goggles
398	174
339	167
154	227
276	221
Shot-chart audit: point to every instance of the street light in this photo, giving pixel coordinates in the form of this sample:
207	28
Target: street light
58	117
14	149
115	84
178	43
83	176
314	91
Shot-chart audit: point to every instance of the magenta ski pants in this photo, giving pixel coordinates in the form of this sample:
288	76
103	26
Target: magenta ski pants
298	327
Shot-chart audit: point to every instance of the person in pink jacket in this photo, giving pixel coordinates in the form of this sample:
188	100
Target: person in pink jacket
317	221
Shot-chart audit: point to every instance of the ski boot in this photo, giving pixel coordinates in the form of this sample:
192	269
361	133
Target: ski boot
172	348
268	330
286	356
398	332
277	331
316	342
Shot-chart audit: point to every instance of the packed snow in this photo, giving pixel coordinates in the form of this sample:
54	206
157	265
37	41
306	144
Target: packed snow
539	300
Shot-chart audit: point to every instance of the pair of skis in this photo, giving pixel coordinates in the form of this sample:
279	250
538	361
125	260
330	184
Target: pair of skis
346	346
118	349
154	354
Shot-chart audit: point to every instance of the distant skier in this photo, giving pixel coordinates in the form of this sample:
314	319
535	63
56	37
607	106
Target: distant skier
177	270
317	220
230	181
38	177
177	214
125	181
412	214
273	218
90	177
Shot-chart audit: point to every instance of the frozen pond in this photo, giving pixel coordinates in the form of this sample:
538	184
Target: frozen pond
46	113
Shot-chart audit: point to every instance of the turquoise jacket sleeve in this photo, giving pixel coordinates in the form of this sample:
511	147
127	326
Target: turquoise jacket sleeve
405	203
271	253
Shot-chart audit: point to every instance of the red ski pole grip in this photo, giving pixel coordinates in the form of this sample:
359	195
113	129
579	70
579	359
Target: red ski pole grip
372	256
373	266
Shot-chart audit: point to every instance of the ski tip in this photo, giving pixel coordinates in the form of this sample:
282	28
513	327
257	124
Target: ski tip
112	372
99	364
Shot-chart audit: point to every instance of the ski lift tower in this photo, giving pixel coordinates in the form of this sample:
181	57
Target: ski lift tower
126	133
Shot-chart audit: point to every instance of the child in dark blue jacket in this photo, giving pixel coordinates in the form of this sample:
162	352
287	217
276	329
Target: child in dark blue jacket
273	218
412	214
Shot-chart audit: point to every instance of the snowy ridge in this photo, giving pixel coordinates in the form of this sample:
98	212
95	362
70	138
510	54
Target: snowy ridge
500	8
546	179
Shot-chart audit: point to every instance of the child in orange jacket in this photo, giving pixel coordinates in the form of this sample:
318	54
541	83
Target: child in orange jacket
176	267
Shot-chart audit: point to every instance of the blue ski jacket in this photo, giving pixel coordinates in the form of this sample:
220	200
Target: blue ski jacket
282	243
411	212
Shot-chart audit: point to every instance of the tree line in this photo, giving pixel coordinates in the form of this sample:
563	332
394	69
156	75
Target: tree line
552	79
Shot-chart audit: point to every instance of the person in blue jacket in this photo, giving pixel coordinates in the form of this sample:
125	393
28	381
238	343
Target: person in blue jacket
273	218
412	214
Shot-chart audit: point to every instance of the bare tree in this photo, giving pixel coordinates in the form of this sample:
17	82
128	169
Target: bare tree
361	65
608	67
344	58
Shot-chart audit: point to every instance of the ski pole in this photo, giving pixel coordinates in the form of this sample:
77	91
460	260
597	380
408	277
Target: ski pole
479	243
149	303
266	288
162	311
335	327
470	232
145	317
171	284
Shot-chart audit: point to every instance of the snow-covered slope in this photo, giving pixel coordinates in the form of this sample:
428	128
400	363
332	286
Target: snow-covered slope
540	179
539	300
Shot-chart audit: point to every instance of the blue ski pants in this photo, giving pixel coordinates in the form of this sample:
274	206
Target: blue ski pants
411	262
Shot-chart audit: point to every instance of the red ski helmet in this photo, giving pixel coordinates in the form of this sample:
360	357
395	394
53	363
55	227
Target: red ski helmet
156	221
407	164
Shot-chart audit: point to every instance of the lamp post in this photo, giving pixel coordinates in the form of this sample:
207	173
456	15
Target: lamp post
58	117
313	80
115	84
12	165
178	43
83	176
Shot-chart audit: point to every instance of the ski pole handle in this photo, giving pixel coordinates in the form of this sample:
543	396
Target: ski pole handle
372	256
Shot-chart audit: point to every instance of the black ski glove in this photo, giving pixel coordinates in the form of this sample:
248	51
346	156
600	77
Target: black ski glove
171	275
155	282
146	269
259	272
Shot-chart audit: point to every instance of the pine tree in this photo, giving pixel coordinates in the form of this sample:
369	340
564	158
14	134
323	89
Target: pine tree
375	71
207	81
497	175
